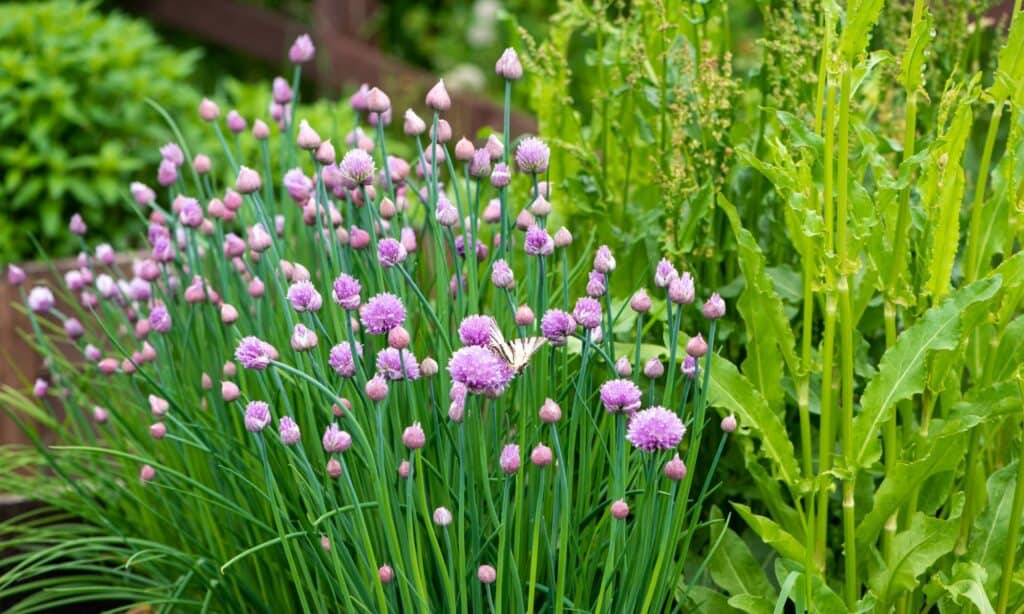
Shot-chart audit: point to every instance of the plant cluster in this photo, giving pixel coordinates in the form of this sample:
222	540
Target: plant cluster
361	384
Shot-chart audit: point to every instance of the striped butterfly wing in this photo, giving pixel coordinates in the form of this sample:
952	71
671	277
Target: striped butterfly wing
498	346
522	350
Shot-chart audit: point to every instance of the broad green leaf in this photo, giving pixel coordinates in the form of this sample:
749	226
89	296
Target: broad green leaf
769	332
946	230
902	370
1009	78
913	552
733	392
735	569
988	538
967	585
822	599
752	604
898	486
772	534
704	599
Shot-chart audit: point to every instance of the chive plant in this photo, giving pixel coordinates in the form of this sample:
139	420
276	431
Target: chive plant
364	384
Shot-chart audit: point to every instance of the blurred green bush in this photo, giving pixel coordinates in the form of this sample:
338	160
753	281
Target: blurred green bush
74	123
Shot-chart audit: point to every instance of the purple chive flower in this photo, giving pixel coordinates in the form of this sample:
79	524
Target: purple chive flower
390	252
508	66
446	213
587	312
457	396
480	370
664	273
620	395
442	517
304	297
281	91
714	308
299	186
502	275
556	326
257	416
655	428
604	262
303	339
510	460
382	313
346	292
77	225
142	193
500	176
460	248
689	367
396	364
73	328
476	330
641	302
480	164
413	436
236	123
159	319
290	434
356	169
191	214
438	98
173	154
532	155
596	284
40	388
341	358
302	50
654	369
728	423
538	242
336	440
40	299
105	253
680	289
414	124
248	181
255	353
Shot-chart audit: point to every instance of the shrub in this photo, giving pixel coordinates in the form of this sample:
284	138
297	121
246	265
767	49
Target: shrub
74	124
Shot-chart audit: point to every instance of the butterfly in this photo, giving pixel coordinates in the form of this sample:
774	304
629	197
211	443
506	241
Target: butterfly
516	353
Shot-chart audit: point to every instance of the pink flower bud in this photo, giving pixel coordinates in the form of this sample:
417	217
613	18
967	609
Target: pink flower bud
229	391
158	406
358	238
127	366
307	137
398	338
464	150
100	415
620	510
714	308
303	339
260	130
158	430
325	153
563	238
229	370
428	367
640	303
228	314
729	423
413	124
675	469
15	275
524	220
248	181
438	98
550	412
206	381
403	469
540	207
442	517
147	473
40	388
654	369
302	50
486	574
524	315
696	346
413	437
108	366
377	388
508	66
208	110
443	132
256	288
386	574
325	543
623	368
541	455
377	101
334	468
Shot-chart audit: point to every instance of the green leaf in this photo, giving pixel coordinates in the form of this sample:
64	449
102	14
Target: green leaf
913	552
772	534
753	604
704	599
912	73
769	332
823	598
988	536
902	370
946	230
861	16
1009	78
968	583
735	569
731	391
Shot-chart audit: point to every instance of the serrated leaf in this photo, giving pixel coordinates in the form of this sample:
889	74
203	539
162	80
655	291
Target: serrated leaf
988	537
912	74
946	230
772	534
861	16
968	584
1009	76
733	392
913	552
902	370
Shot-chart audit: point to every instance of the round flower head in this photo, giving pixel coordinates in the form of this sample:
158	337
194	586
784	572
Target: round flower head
159	319
356	169
413	437
655	428
500	176
538	242
302	50
480	164
413	124
620	510
556	326
675	469
382	313
346	292
40	299
476	330
532	155
623	368
438	98
714	308
304	297
563	238
166	173
254	353
399	338
403	469
550	412
208	110
358	98
390	252
173	154
257	416
696	346
604	262
587	312
480	370
15	275
689	367
336	440
620	395
248	181
341	358
486	574
509	459
396	364
303	339
541	455
502	275
729	423
654	369
236	123
147	473
142	193
289	431
298	185
508	66
680	289
40	388
495	148
442	517
281	91
664	273
446	213
386	574
640	303
596	284
307	137
457	408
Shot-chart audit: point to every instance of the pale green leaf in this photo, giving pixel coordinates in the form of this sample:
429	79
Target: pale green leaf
735	569
913	552
988	538
772	534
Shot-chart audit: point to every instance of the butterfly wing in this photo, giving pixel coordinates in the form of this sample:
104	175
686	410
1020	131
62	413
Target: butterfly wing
498	346
523	349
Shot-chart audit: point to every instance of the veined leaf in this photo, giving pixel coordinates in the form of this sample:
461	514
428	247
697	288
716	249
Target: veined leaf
772	534
861	16
902	370
730	390
988	537
914	551
1010	70
769	332
968	583
822	598
735	569
946	233
912	74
